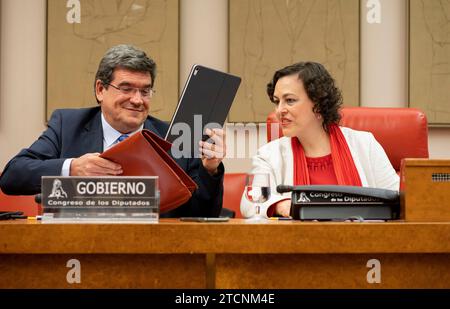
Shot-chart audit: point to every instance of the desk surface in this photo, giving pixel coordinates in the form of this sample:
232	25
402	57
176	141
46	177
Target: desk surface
237	236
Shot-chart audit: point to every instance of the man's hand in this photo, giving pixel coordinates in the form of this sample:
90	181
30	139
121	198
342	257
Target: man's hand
213	154
283	208
91	164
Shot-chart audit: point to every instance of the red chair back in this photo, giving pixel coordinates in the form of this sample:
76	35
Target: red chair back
403	132
23	203
233	187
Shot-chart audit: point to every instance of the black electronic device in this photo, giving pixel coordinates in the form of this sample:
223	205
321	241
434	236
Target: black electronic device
329	202
204	103
7	215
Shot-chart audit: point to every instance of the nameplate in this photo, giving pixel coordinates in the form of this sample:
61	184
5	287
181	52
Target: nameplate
329	202
111	199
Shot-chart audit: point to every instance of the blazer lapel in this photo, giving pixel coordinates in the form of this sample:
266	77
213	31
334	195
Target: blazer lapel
288	159
91	139
92	136
149	126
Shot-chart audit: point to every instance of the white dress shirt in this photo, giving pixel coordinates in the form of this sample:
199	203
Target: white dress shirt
110	138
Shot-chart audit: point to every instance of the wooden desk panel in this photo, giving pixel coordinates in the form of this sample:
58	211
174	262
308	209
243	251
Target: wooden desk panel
160	271
237	254
331	271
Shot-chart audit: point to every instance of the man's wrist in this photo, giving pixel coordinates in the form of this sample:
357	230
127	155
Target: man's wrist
214	172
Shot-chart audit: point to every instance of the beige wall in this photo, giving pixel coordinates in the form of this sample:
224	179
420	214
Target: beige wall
203	35
22	75
439	143
202	39
384	55
384	66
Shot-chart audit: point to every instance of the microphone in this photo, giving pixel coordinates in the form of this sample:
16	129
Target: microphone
38	198
284	188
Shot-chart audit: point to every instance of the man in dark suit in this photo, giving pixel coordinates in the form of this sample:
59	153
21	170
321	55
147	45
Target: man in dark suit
74	139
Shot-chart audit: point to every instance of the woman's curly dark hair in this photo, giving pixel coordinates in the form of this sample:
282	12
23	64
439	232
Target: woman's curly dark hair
320	88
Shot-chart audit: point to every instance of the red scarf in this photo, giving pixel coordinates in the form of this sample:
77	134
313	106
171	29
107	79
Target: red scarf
344	167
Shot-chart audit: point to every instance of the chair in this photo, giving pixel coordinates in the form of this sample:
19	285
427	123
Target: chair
233	187
403	132
25	203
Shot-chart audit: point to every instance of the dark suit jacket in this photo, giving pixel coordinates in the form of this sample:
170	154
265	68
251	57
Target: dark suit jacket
72	133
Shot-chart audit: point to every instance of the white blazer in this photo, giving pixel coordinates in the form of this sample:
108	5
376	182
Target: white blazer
276	158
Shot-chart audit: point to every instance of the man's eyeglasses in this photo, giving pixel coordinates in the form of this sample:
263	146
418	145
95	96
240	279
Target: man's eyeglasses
146	93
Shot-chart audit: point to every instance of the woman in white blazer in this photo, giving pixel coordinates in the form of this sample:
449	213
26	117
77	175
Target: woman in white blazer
314	149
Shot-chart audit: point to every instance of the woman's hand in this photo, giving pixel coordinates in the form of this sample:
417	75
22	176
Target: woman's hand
283	208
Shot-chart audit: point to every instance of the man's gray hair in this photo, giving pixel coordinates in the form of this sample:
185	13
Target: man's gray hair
126	57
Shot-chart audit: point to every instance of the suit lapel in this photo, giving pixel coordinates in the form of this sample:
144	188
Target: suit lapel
288	159
148	124
92	136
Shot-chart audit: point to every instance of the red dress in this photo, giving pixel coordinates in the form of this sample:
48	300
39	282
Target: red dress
321	172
